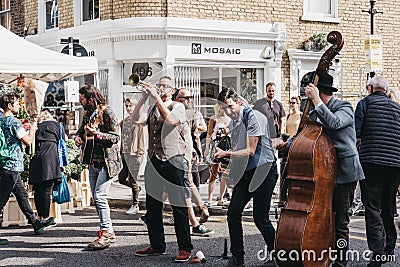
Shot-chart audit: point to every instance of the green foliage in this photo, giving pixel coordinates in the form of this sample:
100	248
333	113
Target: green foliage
6	88
25	173
319	39
74	168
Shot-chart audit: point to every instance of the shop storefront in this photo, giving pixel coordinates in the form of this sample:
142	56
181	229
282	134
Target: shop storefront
201	55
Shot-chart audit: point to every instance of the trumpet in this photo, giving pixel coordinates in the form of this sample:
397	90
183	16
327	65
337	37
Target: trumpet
134	80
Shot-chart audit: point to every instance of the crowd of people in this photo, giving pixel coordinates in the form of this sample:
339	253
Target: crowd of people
241	149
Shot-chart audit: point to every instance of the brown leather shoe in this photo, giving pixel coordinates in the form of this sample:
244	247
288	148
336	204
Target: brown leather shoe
102	241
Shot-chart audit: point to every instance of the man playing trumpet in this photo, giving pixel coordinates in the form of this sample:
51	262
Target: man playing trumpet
164	171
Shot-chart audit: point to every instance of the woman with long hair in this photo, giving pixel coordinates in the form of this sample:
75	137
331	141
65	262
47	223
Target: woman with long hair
217	128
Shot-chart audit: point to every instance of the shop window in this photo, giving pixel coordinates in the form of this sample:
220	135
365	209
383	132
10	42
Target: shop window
51	7
5	14
206	82
103	82
320	10
90	9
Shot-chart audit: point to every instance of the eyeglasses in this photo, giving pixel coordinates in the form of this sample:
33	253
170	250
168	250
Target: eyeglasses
293	103
159	85
185	97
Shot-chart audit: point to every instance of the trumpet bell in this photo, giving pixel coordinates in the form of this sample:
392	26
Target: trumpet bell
134	79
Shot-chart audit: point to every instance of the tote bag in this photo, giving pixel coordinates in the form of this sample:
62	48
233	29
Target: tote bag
61	191
62	149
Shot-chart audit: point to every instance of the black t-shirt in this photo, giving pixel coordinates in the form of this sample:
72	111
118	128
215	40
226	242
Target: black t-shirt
273	111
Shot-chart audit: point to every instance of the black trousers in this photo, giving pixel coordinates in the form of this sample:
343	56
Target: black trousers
42	197
342	199
166	176
378	194
261	204
10	181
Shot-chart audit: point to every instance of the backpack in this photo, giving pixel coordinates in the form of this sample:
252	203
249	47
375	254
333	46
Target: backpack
4	152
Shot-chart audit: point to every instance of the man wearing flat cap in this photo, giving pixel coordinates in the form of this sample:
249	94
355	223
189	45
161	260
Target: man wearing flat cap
337	118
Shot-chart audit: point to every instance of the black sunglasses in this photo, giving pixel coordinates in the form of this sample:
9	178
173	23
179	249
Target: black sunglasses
292	103
185	97
163	85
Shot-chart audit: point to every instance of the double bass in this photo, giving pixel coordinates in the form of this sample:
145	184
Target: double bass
306	228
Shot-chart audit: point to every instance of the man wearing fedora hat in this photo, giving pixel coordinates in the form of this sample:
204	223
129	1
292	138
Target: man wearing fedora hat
337	117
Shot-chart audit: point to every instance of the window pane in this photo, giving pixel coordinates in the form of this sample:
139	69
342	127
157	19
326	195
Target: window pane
4	5
51	14
90	9
5	20
320	6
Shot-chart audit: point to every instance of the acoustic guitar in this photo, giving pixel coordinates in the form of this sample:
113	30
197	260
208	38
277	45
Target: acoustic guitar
88	141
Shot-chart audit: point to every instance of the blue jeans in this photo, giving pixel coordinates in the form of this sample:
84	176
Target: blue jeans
100	184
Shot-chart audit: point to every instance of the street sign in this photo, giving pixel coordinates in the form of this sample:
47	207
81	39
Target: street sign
373	53
78	50
71	91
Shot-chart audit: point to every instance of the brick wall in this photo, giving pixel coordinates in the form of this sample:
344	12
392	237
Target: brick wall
65	14
17	17
31	15
133	8
354	25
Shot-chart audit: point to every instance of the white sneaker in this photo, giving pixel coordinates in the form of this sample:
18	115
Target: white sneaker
134	209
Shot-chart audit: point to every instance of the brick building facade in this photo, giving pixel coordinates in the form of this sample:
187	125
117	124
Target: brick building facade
291	20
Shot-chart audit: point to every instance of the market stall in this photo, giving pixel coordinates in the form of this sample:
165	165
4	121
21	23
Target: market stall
19	56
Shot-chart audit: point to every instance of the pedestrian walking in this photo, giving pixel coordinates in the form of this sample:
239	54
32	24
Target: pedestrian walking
380	160
132	150
44	167
10	180
198	229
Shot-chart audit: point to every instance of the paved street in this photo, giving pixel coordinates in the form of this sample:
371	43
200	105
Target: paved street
64	245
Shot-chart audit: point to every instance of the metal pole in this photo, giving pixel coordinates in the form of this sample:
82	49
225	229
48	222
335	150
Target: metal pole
373	13
361	83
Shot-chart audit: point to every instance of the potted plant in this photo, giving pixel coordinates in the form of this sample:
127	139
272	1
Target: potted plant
316	42
74	168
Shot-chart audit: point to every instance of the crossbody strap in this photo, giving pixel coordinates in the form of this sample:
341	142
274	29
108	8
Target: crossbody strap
61	137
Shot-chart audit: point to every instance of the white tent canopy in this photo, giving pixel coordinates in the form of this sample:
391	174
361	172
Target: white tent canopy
19	56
